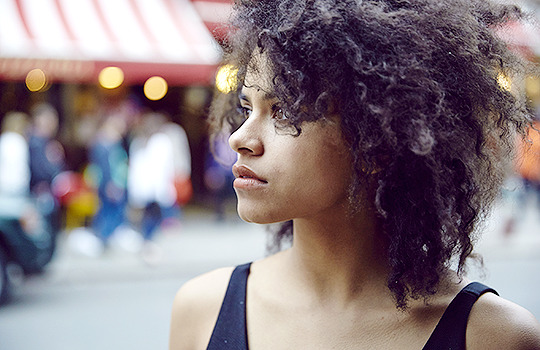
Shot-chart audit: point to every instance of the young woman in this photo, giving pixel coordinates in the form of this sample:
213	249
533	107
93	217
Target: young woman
374	133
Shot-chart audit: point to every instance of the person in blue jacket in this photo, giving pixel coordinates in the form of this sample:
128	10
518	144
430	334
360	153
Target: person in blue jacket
109	166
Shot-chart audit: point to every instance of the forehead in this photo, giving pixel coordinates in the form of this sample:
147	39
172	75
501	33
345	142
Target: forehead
259	75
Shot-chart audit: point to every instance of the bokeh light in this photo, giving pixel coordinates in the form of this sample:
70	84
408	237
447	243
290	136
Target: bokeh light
111	77
504	81
155	88
532	87
226	79
36	80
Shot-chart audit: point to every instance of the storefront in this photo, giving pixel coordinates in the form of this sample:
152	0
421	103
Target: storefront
72	41
83	55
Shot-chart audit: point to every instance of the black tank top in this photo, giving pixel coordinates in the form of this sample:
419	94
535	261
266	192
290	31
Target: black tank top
230	331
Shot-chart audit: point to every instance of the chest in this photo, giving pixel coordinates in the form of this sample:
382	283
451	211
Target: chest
297	327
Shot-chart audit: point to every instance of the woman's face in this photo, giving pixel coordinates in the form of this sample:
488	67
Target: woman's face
281	176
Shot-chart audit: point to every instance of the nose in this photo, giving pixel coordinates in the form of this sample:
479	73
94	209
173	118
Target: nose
246	140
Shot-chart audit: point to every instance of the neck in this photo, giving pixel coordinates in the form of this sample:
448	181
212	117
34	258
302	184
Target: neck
340	256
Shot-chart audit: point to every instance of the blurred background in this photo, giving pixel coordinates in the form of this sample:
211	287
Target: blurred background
109	198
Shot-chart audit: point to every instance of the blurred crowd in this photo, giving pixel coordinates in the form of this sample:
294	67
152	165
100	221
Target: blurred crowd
522	188
133	177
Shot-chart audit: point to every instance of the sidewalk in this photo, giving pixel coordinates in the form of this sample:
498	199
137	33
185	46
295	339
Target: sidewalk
200	244
523	242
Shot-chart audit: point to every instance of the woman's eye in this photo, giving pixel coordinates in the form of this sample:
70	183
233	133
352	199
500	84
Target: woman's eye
279	114
244	111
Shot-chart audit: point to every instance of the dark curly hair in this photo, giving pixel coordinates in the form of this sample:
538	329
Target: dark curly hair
415	83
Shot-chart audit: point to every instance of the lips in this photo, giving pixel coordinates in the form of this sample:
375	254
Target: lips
243	172
246	178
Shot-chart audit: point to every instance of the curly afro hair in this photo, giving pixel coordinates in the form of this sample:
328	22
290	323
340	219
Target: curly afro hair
415	83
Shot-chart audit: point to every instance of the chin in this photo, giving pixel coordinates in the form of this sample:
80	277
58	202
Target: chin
255	219
255	216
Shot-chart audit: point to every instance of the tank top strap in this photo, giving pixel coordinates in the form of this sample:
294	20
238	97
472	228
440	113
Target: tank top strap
230	331
449	334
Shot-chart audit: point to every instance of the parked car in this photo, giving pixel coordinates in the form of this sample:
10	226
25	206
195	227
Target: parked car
27	241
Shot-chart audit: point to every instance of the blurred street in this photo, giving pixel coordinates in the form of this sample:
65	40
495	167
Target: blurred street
104	112
119	301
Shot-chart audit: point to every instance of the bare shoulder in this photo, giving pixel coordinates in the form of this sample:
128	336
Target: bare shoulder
496	323
195	309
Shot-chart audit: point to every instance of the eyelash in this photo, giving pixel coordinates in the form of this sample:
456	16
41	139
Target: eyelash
277	112
244	111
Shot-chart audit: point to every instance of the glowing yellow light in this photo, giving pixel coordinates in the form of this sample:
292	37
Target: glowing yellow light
36	80
532	86
504	82
226	79
111	77
155	88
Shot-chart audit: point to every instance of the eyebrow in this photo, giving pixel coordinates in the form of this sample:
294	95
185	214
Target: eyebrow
243	96
266	96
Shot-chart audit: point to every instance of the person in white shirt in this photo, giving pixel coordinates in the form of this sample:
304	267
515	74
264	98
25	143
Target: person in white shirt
14	155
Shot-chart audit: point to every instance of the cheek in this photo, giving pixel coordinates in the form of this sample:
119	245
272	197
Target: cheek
333	174
329	160
322	176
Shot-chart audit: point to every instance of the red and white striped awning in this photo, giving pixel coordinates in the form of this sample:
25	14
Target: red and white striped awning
524	38
214	13
72	40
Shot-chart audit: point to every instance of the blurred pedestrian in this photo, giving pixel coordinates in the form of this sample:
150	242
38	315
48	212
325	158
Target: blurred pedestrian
109	162
218	174
14	155
524	182
47	160
181	163
159	157
47	156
